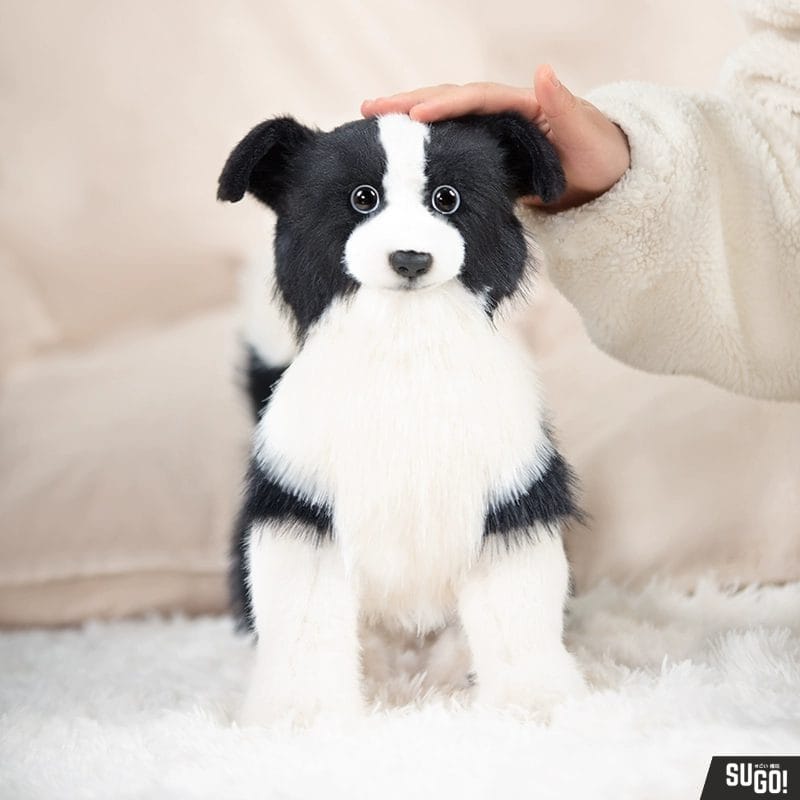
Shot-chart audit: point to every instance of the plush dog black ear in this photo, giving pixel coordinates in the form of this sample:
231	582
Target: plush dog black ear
531	159
259	163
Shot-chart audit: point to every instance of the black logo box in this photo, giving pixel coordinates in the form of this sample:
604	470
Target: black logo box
752	778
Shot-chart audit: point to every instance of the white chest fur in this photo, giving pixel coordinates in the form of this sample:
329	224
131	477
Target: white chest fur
407	412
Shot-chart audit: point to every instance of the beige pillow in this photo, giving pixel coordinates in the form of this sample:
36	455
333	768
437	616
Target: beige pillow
25	325
119	476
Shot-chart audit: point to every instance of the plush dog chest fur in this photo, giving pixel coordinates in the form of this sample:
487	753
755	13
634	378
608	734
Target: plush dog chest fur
408	415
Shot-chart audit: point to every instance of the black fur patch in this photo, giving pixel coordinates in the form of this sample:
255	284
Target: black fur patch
530	158
492	161
259	164
318	219
260	380
306	177
549	500
266	500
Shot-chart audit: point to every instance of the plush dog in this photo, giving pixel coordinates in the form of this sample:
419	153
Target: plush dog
402	471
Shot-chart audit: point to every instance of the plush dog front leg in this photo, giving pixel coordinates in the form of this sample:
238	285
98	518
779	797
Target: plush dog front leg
306	617
512	610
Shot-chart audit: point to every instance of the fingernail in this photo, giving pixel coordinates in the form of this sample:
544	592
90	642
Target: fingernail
553	79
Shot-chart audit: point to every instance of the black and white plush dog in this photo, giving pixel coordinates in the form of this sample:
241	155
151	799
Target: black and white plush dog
402	472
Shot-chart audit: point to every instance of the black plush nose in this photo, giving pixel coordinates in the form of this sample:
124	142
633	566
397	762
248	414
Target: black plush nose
410	263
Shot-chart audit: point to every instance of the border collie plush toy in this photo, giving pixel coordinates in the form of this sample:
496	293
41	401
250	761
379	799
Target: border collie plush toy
402	471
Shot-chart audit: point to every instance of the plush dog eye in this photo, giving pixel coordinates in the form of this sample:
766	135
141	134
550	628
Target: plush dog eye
365	199
445	199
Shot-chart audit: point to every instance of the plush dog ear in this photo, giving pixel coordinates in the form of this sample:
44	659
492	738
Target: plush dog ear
531	159
259	163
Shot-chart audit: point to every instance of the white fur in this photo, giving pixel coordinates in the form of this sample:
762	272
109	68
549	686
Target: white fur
264	324
404	221
511	609
306	613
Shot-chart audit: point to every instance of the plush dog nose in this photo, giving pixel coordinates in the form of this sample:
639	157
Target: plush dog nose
410	263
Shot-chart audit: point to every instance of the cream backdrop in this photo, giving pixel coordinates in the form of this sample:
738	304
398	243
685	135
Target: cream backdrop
122	436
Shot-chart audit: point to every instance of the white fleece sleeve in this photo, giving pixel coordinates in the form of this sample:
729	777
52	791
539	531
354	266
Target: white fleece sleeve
691	262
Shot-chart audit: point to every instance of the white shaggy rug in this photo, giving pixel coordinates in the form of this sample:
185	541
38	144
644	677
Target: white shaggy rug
141	710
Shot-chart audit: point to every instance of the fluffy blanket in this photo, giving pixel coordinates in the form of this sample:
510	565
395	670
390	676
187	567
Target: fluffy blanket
141	709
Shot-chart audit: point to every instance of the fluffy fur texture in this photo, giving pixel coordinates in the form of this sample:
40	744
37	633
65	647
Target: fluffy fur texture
143	710
402	473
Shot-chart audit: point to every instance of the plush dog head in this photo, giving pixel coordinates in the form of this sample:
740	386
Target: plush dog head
393	204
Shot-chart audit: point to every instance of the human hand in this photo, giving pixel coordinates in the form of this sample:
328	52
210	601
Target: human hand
593	150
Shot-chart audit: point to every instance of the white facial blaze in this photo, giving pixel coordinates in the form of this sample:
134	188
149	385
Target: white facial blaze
403	142
405	220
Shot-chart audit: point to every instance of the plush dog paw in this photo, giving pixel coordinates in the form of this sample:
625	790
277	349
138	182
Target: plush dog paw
532	690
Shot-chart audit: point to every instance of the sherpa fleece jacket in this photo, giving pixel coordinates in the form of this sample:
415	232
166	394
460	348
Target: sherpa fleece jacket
691	262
